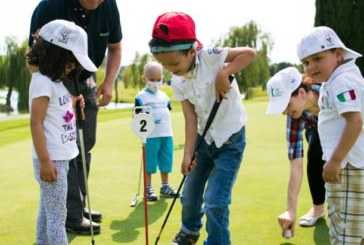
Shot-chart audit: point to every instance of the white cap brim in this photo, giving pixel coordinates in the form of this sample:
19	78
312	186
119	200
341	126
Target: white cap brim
85	62
278	106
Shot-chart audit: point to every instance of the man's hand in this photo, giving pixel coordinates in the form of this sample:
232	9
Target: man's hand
105	91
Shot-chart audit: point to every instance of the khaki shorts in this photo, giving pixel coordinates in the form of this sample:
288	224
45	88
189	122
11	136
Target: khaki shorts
346	207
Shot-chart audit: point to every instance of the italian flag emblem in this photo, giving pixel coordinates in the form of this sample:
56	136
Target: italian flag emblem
347	96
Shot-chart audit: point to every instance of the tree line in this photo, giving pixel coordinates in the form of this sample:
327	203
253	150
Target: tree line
345	17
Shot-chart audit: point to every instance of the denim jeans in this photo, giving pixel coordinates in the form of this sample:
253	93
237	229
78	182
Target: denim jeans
207	189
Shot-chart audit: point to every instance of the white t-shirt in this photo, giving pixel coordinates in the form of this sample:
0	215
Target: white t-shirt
199	89
160	103
343	92
60	122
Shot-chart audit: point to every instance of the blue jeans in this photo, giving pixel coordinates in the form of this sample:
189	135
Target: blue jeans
216	170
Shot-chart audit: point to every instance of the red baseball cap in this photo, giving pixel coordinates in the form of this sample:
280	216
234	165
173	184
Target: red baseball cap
172	26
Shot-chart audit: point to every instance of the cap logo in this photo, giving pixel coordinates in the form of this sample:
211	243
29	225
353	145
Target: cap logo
329	40
276	92
64	37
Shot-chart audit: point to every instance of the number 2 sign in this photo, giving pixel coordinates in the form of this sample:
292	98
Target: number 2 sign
143	123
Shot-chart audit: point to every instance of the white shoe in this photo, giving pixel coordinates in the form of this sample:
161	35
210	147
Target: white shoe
308	221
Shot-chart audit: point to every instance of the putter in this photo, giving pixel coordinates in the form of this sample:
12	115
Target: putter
134	202
210	119
80	119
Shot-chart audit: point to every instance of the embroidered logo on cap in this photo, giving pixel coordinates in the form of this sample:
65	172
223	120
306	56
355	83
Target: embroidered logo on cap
64	36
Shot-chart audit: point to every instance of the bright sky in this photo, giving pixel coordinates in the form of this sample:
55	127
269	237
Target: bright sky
284	20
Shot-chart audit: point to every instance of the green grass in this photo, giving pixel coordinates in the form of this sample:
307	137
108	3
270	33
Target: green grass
259	195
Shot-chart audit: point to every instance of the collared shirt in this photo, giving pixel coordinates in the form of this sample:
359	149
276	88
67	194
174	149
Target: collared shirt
199	89
102	25
343	92
295	128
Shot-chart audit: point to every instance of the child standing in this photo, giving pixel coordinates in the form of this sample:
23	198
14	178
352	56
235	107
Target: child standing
159	146
340	124
60	47
200	76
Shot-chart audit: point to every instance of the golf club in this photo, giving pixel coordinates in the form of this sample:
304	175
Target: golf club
134	202
80	119
210	119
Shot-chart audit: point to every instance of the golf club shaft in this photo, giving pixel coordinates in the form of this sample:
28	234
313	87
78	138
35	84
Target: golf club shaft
209	121
80	119
135	200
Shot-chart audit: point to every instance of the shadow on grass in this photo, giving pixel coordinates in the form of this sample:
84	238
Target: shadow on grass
321	233
127	229
71	236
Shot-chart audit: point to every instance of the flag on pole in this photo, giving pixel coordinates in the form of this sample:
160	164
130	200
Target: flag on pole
346	96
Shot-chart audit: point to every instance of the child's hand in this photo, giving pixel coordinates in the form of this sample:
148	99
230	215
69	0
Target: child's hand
331	172
187	165
222	85
78	98
48	172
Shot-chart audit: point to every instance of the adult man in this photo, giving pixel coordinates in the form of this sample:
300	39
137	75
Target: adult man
101	21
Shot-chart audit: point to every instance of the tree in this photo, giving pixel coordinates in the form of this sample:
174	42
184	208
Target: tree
347	19
15	74
257	73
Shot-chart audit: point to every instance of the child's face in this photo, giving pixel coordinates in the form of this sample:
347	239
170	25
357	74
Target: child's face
320	66
175	61
153	78
296	105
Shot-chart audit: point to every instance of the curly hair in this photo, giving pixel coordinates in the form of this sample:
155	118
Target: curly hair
51	59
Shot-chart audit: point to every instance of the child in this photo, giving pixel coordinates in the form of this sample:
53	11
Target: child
296	96
159	146
60	46
340	124
200	76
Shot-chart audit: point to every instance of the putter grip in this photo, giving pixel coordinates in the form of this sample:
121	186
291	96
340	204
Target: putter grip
79	110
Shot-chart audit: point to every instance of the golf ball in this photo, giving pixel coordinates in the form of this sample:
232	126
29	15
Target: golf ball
287	234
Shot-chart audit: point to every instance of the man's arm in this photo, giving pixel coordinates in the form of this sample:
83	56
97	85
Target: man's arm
112	68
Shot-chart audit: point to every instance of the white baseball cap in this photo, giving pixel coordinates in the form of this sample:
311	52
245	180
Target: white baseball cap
69	36
320	39
280	88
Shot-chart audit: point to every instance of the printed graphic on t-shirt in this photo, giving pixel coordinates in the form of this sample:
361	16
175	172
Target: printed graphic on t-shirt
69	127
324	100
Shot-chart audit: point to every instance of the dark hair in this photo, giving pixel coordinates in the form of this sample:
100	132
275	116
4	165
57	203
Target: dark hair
51	59
163	43
305	86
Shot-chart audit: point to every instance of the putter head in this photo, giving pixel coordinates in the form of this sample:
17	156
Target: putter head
133	202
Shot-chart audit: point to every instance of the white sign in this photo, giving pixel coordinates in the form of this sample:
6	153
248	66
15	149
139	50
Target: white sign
143	123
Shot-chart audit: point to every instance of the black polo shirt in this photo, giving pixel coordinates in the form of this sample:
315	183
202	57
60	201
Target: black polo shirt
102	25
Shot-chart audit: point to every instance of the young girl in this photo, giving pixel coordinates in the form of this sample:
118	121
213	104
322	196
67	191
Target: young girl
296	96
60	47
199	75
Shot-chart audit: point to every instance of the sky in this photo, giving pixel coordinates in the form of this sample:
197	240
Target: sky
284	20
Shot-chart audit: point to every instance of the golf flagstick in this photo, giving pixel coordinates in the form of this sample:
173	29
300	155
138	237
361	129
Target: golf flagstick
209	121
80	121
143	125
